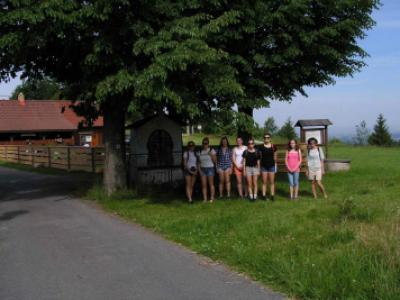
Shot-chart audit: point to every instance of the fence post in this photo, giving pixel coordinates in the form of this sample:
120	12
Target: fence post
33	156
18	154
69	158
49	155
6	152
92	152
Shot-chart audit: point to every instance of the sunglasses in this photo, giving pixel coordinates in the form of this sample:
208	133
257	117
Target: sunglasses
267	137
205	143
191	145
250	144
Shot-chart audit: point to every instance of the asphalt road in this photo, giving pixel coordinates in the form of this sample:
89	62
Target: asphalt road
53	246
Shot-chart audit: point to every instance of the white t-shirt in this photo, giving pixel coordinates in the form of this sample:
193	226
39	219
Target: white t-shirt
205	158
238	154
190	158
314	159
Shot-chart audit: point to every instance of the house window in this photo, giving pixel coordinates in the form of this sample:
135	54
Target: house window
160	147
85	139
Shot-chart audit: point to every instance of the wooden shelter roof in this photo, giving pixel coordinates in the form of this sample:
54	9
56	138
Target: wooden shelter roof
313	122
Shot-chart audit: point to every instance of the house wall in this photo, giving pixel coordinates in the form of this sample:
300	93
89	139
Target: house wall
37	138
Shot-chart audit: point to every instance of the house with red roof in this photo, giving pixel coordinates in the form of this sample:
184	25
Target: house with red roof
45	122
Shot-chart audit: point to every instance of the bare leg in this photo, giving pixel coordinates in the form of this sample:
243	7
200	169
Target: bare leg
249	186
239	184
264	176
255	185
228	182
212	188
271	179
321	188
204	187
314	189
188	181
291	192
221	177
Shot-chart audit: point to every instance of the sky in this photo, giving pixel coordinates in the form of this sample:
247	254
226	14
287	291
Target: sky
374	90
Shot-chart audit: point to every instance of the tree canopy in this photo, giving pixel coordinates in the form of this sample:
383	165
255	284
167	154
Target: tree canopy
189	57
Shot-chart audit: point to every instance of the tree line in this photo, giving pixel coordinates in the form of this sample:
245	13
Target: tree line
380	136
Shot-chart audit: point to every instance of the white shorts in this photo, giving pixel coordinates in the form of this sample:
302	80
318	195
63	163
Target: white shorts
315	175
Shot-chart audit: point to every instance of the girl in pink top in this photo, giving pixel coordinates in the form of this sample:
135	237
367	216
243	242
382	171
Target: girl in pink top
293	162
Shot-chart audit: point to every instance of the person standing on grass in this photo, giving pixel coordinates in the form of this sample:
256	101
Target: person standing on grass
190	169
315	166
269	159
237	160
224	167
293	161
251	167
206	165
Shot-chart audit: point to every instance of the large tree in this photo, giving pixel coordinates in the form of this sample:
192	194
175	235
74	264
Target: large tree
190	57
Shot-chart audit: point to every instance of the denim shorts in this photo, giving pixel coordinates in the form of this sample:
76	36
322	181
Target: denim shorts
268	169
293	178
224	168
208	172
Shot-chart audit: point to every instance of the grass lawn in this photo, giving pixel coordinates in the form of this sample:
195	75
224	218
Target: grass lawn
346	247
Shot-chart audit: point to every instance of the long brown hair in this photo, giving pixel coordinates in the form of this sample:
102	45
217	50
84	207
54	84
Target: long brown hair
295	148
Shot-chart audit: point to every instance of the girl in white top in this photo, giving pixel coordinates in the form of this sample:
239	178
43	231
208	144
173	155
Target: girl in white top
190	169
237	160
315	167
206	164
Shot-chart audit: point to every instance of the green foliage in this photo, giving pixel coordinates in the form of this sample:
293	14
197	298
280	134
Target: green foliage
381	135
287	130
362	134
221	122
270	126
42	89
187	56
346	247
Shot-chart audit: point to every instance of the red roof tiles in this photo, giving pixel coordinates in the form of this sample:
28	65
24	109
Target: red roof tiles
39	115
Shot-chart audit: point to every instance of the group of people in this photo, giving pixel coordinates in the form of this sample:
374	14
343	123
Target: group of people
247	163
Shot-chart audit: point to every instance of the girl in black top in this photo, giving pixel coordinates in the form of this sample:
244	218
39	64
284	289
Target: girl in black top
269	158
251	166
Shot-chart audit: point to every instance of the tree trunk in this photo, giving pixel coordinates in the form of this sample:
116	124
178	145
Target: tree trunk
244	132
115	174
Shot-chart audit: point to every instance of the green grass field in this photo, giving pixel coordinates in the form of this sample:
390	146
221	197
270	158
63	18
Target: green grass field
346	247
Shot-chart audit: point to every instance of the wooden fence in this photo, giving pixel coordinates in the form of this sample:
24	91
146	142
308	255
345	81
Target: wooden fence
70	158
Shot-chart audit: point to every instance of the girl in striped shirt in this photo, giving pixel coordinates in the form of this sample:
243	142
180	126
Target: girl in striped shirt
224	167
